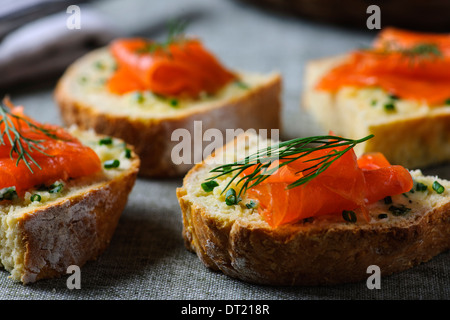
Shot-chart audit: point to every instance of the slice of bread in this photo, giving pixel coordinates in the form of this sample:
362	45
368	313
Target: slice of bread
323	251
414	135
147	121
41	239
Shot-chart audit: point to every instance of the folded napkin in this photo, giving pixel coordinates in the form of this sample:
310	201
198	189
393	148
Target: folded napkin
45	46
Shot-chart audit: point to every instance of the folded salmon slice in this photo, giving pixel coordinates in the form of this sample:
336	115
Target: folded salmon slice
64	158
348	184
182	69
422	73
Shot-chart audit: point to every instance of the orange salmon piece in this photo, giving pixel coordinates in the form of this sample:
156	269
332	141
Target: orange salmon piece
65	157
183	69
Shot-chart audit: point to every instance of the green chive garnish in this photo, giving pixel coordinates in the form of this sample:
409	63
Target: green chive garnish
399	210
421	187
8	193
138	97
99	65
389	107
106	141
447	102
382	216
109	164
35	197
251	204
127	153
393	97
439	188
349	216
241	84
209	185
174	102
56	187
230	197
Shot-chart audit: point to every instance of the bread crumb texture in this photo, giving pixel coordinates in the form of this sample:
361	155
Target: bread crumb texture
403	231
48	217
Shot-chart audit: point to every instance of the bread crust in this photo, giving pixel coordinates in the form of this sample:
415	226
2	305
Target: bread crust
151	137
418	140
75	229
304	254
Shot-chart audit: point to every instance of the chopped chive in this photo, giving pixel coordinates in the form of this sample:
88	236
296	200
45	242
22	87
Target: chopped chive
174	102
106	141
393	97
399	210
349	216
56	187
209	185
251	204
138	97
35	197
373	102
382	216
83	79
8	193
421	187
447	102
127	153
99	65
109	164
241	84
388	200
389	107
230	197
439	188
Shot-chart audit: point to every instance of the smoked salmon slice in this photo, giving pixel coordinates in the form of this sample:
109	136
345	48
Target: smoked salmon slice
409	65
347	184
181	69
63	157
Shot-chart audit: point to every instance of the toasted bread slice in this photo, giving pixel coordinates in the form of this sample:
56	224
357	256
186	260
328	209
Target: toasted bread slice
147	121
414	135
41	239
327	250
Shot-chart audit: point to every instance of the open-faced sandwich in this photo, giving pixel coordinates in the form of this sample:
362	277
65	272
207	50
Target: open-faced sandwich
398	90
61	194
309	212
142	90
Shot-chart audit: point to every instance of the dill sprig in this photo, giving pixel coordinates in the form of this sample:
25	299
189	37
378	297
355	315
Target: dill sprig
175	35
418	52
262	161
21	146
423	50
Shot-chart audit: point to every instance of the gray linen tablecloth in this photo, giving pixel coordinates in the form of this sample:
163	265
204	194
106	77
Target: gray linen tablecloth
147	258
